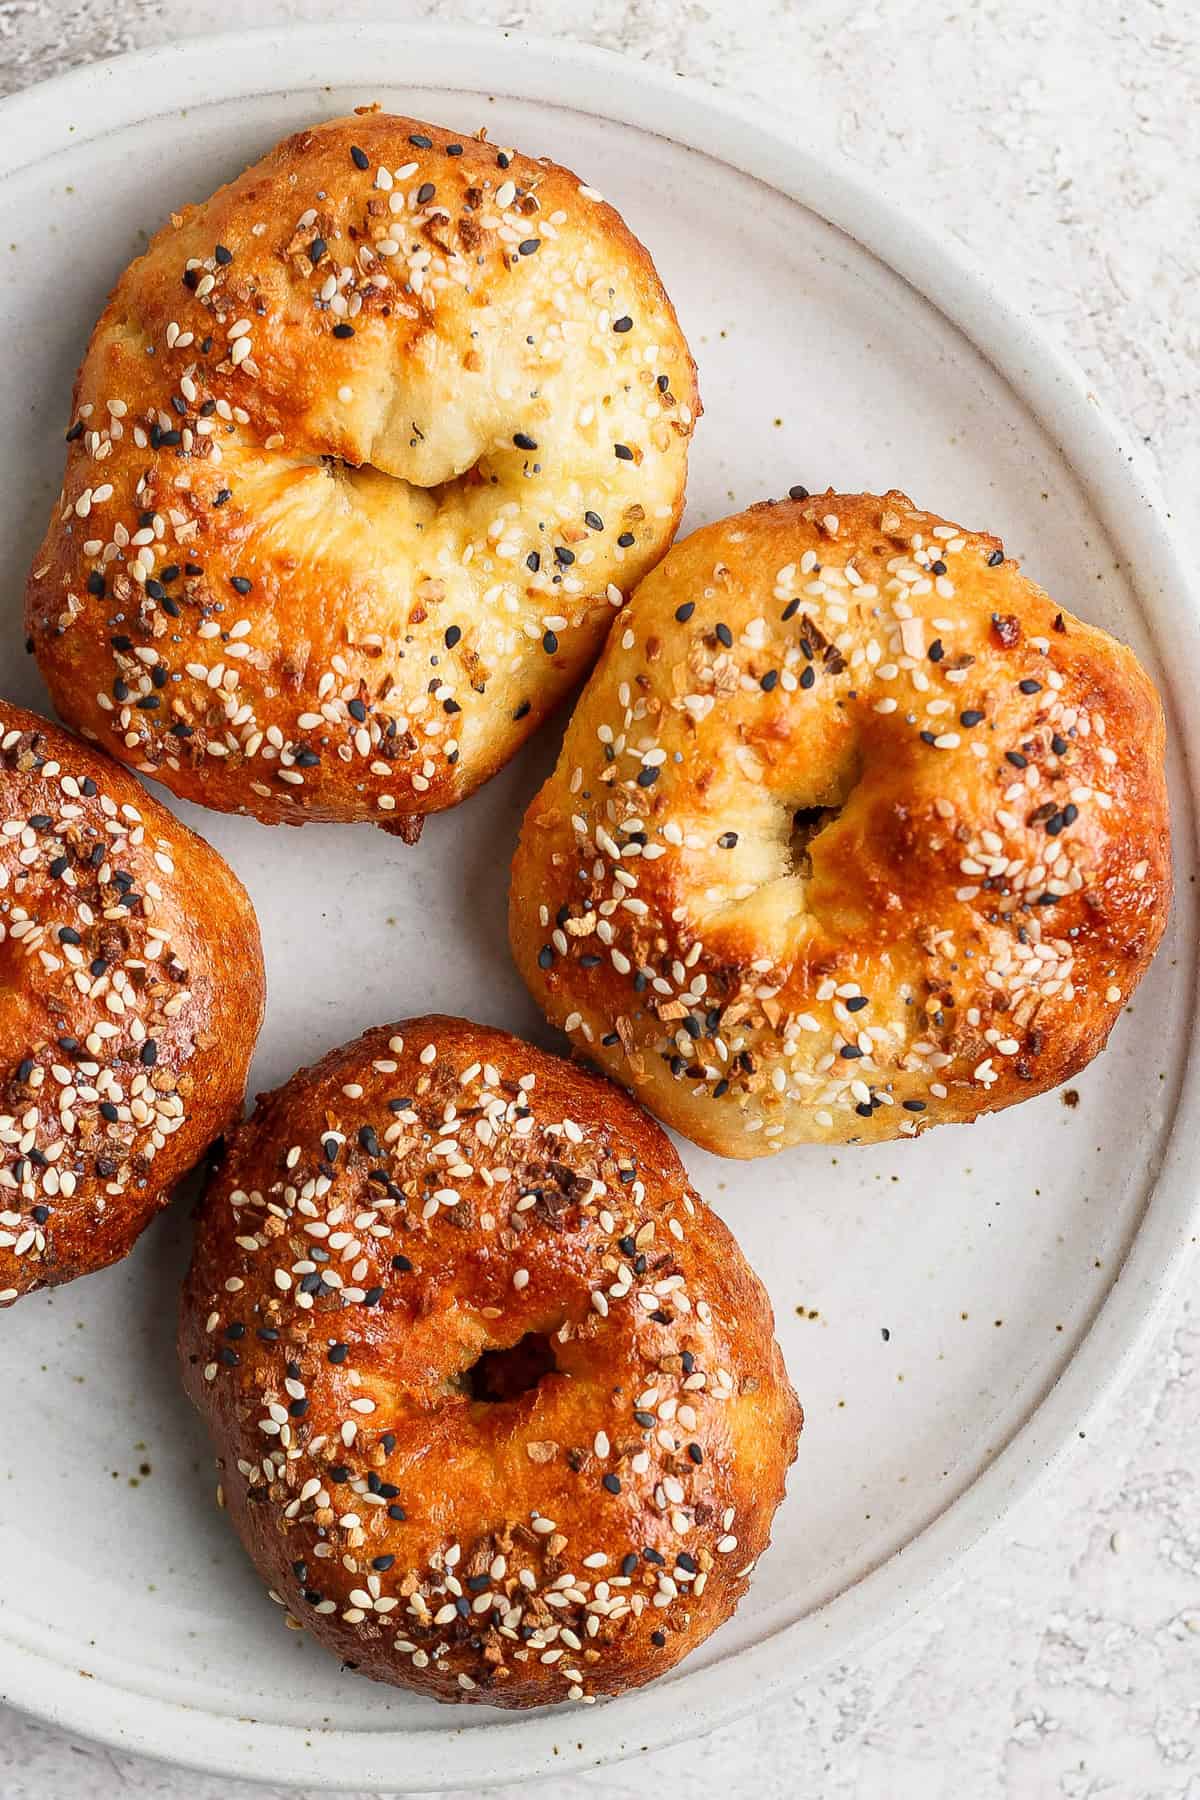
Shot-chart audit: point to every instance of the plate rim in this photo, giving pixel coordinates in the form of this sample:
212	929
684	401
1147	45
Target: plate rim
1112	471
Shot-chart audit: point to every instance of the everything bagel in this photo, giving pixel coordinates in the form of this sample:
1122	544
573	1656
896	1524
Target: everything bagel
854	830
363	454
131	990
497	1404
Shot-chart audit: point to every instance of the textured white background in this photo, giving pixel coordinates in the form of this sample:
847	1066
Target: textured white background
1061	144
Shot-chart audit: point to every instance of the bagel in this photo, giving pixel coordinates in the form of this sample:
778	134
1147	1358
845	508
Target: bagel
131	992
854	831
364	452
497	1405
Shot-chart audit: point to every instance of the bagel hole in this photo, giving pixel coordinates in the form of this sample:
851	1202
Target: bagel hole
501	1375
807	822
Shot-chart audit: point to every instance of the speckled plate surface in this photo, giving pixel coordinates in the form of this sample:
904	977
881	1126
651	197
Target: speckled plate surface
950	1309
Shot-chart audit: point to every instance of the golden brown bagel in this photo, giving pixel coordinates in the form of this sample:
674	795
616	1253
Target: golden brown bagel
364	451
497	1404
854	831
131	991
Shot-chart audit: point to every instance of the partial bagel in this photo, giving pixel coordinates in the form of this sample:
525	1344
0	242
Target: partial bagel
364	452
854	831
131	991
497	1404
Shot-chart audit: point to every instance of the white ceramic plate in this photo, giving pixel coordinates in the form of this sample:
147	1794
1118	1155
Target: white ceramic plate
1016	1265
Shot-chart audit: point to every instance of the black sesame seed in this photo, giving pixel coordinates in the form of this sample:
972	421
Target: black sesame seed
995	559
727	840
850	1052
856	1003
337	1353
241	584
612	1483
527	246
624	323
420	142
402	1263
790	610
936	651
380	1563
359	158
452	636
396	1512
343	331
622	452
563	556
549	643
525	707
807	676
626	539
769	680
95	582
647	777
1030	686
222	495
545	957
1016	759
594	521
970	717
533	561
696	1453
683	613
425	193
148	1054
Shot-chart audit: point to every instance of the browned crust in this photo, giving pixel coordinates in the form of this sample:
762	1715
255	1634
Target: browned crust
105	1043
343	697
466	1473
994	884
